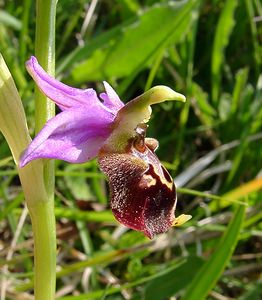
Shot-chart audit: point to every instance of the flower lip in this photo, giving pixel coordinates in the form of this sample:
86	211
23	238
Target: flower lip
146	199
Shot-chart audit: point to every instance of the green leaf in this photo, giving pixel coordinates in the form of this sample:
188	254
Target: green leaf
173	281
239	88
254	33
128	48
224	28
205	279
206	112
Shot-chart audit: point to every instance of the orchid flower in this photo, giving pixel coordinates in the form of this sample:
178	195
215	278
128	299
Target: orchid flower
143	194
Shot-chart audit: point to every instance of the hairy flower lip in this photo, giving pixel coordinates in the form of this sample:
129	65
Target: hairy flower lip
146	201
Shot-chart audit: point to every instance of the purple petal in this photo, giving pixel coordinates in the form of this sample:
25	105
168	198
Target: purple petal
71	136
111	99
64	96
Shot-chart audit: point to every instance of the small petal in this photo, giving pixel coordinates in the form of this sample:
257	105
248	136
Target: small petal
64	96
111	99
71	136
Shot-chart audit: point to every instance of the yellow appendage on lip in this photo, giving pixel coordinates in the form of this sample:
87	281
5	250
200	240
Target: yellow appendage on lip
180	220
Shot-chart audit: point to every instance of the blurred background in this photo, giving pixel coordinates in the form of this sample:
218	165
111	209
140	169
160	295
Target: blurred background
209	50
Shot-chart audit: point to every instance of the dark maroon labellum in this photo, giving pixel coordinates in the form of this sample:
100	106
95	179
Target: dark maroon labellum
143	195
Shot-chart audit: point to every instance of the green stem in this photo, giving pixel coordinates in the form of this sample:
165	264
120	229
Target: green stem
45	53
43	223
42	213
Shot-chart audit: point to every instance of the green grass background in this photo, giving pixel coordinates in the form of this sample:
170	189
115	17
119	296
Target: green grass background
209	50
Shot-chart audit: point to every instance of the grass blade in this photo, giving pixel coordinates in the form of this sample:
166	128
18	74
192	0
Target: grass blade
208	275
224	28
173	281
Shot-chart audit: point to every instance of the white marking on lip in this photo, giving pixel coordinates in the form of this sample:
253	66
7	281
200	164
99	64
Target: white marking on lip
150	180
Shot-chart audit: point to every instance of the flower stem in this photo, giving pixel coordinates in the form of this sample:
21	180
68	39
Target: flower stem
43	223
42	212
45	53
